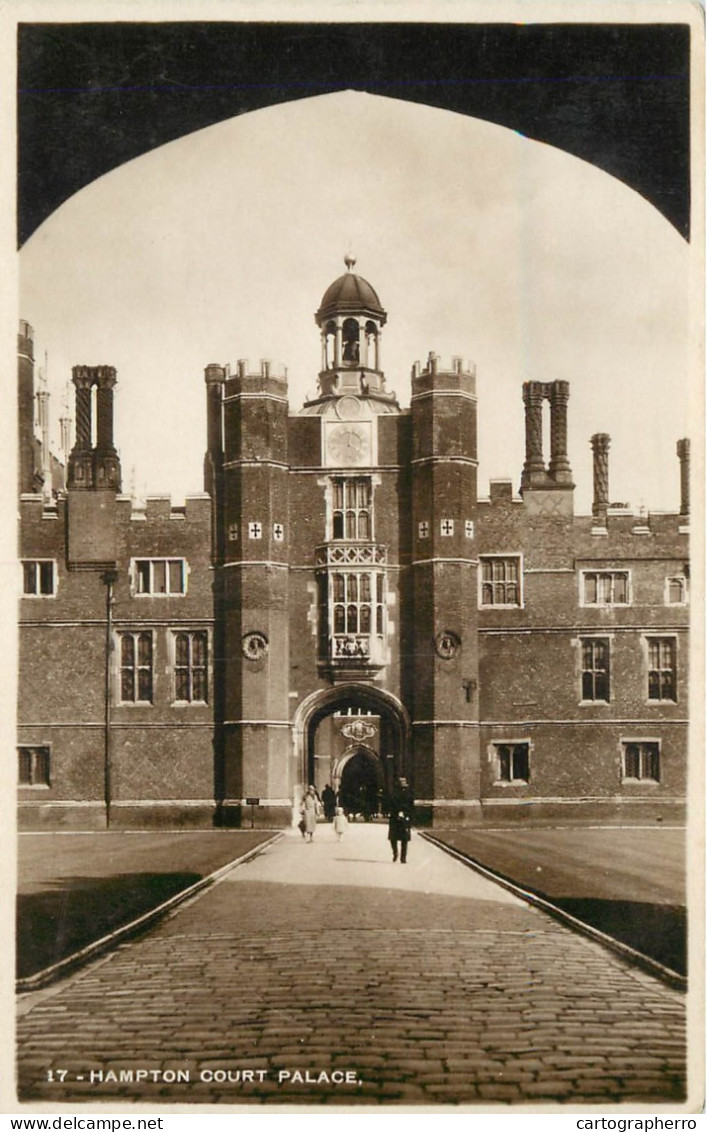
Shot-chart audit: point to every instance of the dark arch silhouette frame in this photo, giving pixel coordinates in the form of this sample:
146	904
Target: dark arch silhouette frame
93	96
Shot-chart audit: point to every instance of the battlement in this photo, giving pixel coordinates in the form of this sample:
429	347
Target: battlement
25	333
266	380
160	508
436	375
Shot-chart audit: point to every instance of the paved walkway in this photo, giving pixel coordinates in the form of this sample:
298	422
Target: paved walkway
325	973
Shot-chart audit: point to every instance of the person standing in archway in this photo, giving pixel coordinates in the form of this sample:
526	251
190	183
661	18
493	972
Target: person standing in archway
402	805
329	802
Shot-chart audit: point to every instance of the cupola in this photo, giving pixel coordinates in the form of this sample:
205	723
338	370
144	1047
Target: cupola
351	318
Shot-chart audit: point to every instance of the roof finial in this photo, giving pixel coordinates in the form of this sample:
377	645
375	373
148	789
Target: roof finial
350	261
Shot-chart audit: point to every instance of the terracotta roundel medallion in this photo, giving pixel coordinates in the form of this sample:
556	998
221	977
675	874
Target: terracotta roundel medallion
447	644
255	646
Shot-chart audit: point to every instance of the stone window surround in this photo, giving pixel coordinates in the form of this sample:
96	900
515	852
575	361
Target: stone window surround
506	556
38	563
642	743
495	761
605	571
40	767
134	572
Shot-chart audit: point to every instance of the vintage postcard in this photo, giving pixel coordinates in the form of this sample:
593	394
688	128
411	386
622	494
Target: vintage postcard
359	472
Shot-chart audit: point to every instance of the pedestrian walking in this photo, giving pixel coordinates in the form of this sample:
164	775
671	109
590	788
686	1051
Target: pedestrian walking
402	806
340	823
329	802
310	805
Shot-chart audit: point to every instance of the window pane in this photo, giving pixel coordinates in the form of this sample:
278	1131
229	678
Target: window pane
176	577
520	762
631	761
512	569
182	684
159	577
30	577
338	587
143	577
144	684
339	621
127	649
587	685
601	687
667	686
24	768
590	589
351	524
352	585
199	685
363	525
379	620
199	650
620	589
365	587
127	685
379	587
486	570
487	594
338	494
654	654
144	649
365	618
352	619
46	577
338	531
653	685
504	764
350	493
181	650
651	762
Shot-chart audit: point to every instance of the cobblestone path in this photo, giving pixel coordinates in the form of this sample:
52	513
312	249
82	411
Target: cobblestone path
423	983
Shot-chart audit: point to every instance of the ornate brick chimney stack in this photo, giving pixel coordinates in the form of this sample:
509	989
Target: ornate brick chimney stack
560	470
534	471
684	458
600	446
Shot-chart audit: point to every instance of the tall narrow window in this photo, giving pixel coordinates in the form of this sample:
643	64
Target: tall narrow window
595	668
136	668
662	669
351	508
676	590
190	667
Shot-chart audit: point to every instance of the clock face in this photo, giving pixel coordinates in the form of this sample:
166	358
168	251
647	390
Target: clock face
348	444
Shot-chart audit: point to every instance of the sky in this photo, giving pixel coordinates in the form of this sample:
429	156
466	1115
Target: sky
526	261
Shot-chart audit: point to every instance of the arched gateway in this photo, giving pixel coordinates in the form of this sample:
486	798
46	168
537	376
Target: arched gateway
356	737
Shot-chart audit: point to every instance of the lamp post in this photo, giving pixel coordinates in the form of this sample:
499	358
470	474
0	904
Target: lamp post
109	578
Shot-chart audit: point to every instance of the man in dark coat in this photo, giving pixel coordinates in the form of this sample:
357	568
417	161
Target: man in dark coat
329	802
402	805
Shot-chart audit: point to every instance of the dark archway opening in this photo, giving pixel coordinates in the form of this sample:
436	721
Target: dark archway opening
356	740
362	787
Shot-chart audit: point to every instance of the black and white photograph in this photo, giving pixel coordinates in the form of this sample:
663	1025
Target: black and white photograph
359	458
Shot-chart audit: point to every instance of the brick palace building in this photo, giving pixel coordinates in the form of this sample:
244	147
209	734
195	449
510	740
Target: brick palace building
340	606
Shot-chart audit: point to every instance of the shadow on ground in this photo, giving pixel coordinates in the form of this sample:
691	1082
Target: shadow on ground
654	927
656	930
74	911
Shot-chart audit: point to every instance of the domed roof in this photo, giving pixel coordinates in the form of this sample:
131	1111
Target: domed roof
350	294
